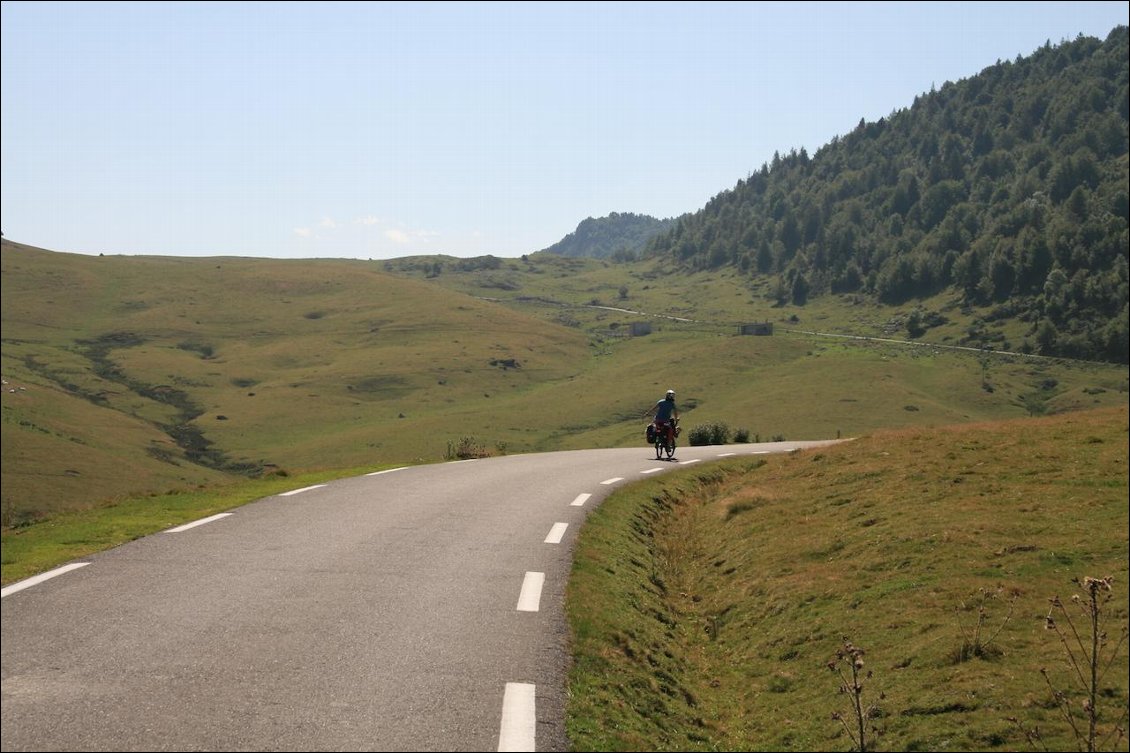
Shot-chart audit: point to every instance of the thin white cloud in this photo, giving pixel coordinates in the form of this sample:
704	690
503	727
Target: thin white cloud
404	237
330	231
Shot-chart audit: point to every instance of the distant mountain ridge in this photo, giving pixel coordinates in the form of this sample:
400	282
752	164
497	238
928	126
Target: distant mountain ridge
619	236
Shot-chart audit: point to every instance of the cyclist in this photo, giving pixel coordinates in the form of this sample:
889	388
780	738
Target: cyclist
664	411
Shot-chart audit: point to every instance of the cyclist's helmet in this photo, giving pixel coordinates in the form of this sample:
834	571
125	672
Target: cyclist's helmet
670	394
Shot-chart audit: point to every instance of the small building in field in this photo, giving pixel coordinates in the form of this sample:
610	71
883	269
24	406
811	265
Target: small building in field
757	328
636	329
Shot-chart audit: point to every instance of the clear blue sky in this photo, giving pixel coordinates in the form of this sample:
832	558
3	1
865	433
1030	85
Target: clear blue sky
381	130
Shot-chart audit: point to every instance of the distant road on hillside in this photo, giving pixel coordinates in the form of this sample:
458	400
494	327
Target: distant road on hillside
891	340
415	609
917	344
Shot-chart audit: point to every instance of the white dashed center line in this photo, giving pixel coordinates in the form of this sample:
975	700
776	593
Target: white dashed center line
29	582
389	470
530	598
556	533
519	720
200	522
580	500
303	489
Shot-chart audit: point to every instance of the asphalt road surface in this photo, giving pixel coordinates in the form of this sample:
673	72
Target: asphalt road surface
418	609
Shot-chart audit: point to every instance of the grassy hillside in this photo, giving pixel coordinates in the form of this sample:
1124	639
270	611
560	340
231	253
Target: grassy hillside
145	375
128	375
586	293
708	606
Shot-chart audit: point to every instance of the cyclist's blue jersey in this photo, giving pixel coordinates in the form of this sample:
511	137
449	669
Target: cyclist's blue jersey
664	409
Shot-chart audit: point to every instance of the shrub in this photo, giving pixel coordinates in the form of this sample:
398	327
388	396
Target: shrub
715	433
465	449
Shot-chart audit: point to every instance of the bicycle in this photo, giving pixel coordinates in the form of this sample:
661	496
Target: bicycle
663	438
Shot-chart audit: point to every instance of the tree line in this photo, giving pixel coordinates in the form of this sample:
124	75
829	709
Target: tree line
1009	187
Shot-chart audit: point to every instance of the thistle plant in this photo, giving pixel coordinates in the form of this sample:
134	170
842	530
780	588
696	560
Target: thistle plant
1089	660
851	684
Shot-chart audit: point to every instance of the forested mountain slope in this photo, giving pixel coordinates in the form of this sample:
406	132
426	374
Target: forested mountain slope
1010	188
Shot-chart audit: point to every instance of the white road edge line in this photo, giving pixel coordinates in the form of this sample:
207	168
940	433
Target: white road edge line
688	462
651	470
388	470
518	730
303	489
200	522
34	580
530	598
556	533
580	500
611	481
726	454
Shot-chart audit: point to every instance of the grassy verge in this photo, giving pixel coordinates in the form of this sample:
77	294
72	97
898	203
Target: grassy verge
708	607
43	545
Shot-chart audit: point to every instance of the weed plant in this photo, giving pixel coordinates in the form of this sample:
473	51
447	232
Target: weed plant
1082	695
975	643
848	666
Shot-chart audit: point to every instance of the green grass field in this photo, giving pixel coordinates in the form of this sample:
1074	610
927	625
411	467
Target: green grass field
707	605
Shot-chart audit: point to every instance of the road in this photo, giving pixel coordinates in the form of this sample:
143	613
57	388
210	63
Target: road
415	609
